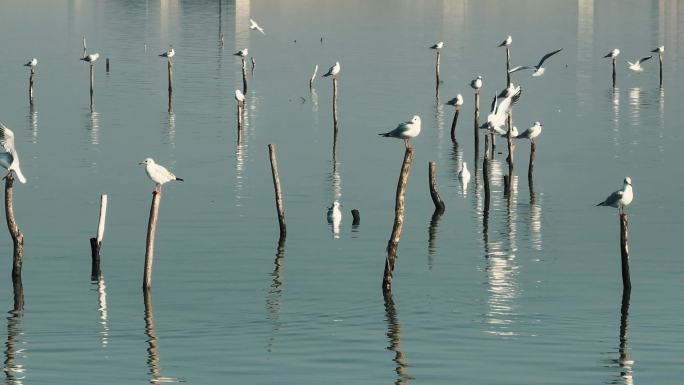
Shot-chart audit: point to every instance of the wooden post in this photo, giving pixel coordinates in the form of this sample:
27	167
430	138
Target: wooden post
436	199
437	74
107	65
31	80
393	243
92	86
278	192
244	76
151	233
511	146
311	81
453	123
356	217
476	127
253	64
508	66
335	102
614	72
624	252
170	72
660	56
485	180
15	233
96	242
530	168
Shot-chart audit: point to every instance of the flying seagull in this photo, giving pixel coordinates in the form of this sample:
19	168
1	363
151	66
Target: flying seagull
253	25
636	66
9	159
501	107
158	173
406	130
538	69
620	198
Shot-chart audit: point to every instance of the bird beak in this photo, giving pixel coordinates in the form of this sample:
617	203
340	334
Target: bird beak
141	163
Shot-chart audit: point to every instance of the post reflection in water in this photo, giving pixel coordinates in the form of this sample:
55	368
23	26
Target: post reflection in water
93	127
635	105
33	123
439	121
152	343
615	100
394	336
335	180
623	363
241	149
15	372
169	129
535	222
275	293
101	288
432	235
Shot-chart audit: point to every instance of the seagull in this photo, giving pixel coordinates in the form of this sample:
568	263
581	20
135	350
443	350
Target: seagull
334	217
406	130
31	63
506	42
242	53
438	46
158	173
531	132
333	71
538	69
456	102
514	133
91	58
500	109
620	198
659	50
636	66
253	25
613	54
240	97
464	176
476	83
168	54
9	159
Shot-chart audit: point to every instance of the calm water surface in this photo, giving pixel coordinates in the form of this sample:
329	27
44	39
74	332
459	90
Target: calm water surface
528	293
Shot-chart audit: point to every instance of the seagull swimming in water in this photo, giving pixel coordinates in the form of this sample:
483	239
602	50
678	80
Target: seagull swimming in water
456	102
438	46
242	53
476	83
613	53
636	66
538	69
158	173
31	63
333	71
9	159
91	58
253	25
506	42
620	198
168	54
531	132
406	131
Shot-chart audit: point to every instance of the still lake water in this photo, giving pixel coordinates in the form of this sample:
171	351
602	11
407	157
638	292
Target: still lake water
534	298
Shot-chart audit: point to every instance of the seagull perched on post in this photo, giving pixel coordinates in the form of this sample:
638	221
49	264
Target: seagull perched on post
406	131
659	50
620	198
31	63
531	132
158	173
253	25
9	159
636	66
538	69
240	97
613	53
506	42
438	46
456	102
91	58
476	83
242	53
168	54
333	71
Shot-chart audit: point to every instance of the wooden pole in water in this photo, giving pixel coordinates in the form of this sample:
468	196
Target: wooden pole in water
151	233
476	127
96	242
170	71
624	252
614	59
253	64
436	199
31	80
334	80
15	233
530	168
437	72
107	65
92	86
244	76
453	123
278	191
660	56
393	242
485	180
508	66
356	217
511	146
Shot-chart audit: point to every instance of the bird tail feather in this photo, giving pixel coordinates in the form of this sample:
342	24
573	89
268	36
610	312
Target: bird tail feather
177	178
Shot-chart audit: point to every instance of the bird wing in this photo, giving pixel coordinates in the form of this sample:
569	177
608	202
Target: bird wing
644	59
494	103
508	102
6	139
519	68
548	55
613	198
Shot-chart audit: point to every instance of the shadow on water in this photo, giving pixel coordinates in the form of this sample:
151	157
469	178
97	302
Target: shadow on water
394	336
15	372
275	293
153	344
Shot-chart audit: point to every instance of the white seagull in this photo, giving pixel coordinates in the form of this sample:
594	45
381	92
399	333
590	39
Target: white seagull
636	66
514	133
620	198
613	53
506	42
438	46
333	71
91	58
501	107
253	25
659	50
242	53
531	132
168	54
406	130
31	63
456	102
476	83
240	97
538	69
9	159
158	173
464	176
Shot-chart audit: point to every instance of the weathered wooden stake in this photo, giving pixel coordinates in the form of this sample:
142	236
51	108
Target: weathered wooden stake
660	56
530	168
278	192
393	242
485	180
356	217
244	76
17	236
511	146
614	59
31	80
335	102
170	72
96	242
151	233
624	252
107	65
476	127
437	73
436	199
453	124
508	67
92	87
253	64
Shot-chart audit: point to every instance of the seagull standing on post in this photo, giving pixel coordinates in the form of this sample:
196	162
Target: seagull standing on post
168	54
333	71
620	198
158	174
91	58
405	131
531	132
31	63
